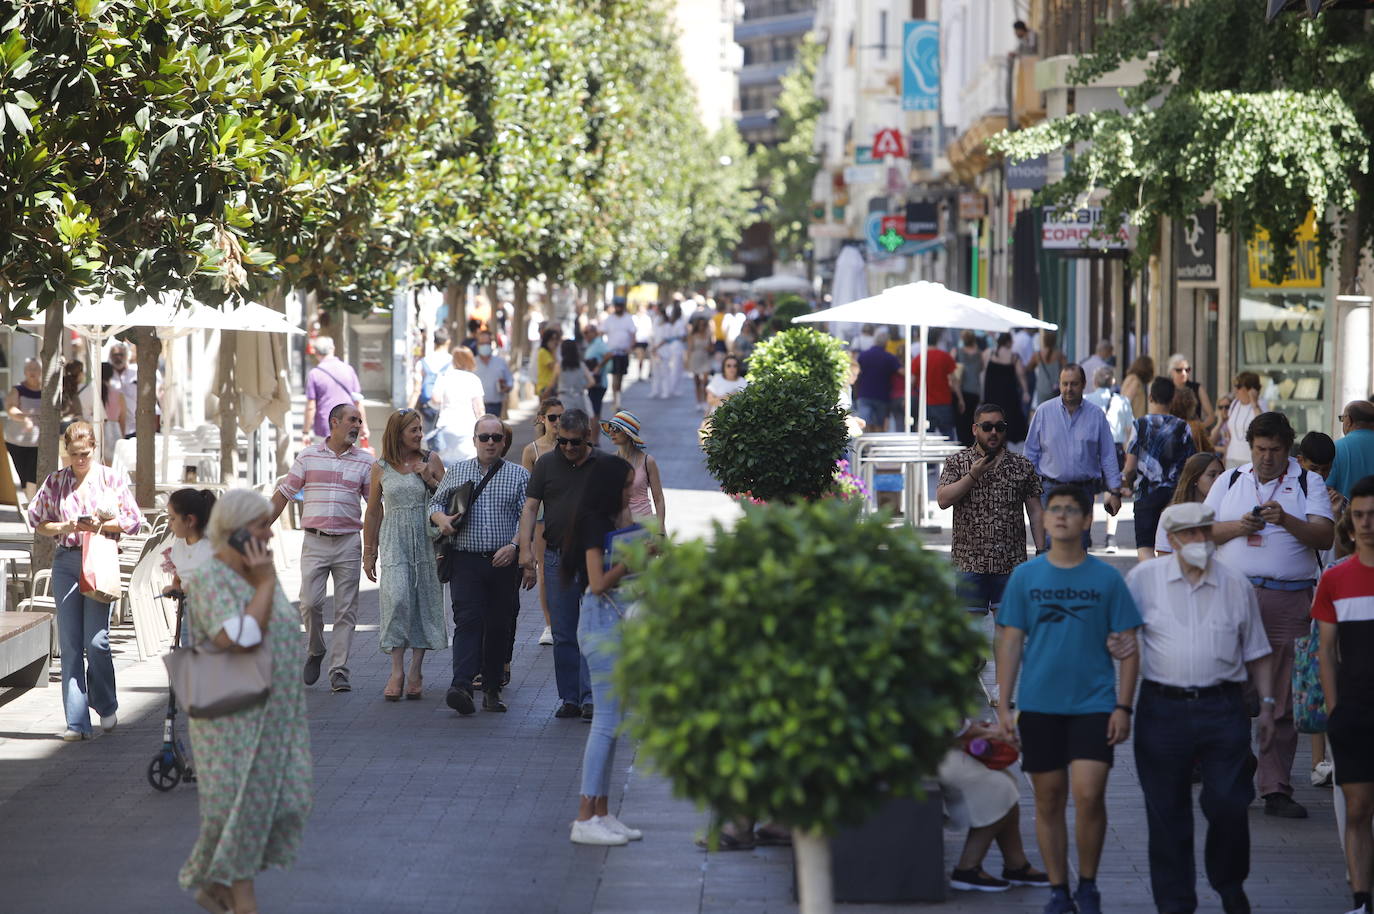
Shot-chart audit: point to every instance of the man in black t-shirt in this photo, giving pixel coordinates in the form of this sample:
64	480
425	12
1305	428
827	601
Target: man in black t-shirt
556	483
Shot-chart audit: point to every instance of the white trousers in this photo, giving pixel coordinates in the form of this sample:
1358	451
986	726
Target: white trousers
668	371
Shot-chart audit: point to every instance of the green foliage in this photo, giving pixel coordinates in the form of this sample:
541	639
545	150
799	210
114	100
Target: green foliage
792	165
804	352
1272	130
777	439
785	309
798	665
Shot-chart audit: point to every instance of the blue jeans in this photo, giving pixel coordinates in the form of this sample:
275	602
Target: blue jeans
569	666
1169	734
941	419
83	633
980	591
599	634
874	413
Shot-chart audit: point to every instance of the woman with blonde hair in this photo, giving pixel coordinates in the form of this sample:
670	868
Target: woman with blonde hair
460	399
1184	406
1135	387
81	500
253	767
396	528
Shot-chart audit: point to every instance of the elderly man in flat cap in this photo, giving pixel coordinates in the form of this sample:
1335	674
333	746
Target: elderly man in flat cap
1202	634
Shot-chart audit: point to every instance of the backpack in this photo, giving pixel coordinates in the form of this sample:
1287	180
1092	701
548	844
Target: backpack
428	377
1302	485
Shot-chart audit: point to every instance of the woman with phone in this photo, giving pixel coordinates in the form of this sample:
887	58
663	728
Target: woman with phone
253	766
602	517
396	527
78	501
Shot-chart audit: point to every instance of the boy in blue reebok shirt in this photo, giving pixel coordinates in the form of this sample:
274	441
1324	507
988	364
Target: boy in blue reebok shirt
1062	607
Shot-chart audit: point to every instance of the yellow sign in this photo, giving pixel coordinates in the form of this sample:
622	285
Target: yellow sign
1304	271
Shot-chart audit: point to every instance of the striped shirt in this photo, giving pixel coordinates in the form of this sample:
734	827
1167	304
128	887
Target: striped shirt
335	487
496	515
59	499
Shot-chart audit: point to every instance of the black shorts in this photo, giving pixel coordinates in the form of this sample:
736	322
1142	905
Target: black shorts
1050	741
620	364
1350	729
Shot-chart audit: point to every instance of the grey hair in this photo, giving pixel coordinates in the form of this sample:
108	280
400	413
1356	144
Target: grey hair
234	509
881	337
1175	359
324	346
575	420
1104	376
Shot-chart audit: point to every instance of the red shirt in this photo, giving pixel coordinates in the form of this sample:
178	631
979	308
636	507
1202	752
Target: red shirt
1345	598
941	366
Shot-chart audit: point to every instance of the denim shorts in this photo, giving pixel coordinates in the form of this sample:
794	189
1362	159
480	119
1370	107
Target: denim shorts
980	591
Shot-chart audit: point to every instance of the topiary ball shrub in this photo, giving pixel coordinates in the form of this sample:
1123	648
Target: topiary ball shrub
786	308
776	439
801	666
805	352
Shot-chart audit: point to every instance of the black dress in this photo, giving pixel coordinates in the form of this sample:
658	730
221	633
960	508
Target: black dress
1000	387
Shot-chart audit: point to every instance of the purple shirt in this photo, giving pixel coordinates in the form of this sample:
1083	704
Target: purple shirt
876	367
330	383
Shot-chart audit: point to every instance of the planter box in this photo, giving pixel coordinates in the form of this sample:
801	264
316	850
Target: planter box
898	855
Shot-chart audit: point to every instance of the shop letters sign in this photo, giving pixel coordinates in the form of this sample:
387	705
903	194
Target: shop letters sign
1305	269
1082	230
1195	247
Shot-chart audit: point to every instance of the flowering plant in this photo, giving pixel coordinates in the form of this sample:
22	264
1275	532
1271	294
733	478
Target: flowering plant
847	485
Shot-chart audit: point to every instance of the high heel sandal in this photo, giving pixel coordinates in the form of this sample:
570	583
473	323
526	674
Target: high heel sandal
393	693
212	902
417	685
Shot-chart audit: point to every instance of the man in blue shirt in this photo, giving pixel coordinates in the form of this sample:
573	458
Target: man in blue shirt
1062	607
1355	451
873	390
1162	444
1070	443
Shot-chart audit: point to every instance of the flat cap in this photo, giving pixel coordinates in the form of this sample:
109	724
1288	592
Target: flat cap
1185	516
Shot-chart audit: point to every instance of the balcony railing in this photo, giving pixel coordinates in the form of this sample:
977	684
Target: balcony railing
1073	26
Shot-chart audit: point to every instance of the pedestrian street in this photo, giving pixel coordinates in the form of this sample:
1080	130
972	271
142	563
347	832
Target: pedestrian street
418	810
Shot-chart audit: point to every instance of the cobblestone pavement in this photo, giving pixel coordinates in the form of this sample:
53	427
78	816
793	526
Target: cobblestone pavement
417	810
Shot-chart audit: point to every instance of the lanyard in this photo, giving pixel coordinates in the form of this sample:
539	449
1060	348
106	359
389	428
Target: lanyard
1272	492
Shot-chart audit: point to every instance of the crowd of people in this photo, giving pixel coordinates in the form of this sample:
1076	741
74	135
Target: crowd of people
1256	560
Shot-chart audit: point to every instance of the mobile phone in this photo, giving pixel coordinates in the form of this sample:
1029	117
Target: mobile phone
239	540
86	519
1258	510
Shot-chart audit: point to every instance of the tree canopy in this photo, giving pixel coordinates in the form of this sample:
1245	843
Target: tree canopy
1273	118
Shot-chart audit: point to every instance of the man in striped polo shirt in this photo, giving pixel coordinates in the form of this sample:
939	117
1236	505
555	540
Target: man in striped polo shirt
334	476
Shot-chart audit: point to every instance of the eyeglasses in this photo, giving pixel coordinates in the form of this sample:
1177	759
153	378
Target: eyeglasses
491	436
568	442
993	426
552	417
1065	510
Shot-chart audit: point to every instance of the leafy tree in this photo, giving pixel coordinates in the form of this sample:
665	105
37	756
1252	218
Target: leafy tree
1274	118
791	166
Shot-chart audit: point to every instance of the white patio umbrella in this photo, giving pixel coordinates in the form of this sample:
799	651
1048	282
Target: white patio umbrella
780	283
927	304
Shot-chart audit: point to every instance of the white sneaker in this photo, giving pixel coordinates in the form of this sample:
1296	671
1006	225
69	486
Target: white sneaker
1321	773
547	638
74	736
108	723
620	828
594	831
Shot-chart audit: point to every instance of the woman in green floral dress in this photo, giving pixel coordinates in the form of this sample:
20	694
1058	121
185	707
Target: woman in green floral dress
253	767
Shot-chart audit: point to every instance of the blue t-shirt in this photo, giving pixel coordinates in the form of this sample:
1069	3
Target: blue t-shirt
1354	460
1067	614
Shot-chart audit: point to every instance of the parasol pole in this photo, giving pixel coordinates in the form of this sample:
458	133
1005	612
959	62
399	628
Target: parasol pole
925	360
906	413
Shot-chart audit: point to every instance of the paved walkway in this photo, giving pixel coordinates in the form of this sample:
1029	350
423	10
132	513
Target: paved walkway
418	810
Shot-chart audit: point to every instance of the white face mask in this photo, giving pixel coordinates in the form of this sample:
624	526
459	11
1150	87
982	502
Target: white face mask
1197	554
484	350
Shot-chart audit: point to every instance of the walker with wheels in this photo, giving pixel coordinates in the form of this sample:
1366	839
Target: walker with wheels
172	764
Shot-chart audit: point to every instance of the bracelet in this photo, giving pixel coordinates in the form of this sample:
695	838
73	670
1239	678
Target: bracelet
1269	700
1127	708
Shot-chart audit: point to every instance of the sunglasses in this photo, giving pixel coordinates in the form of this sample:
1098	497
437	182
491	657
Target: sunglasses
491	436
551	417
1065	510
568	442
993	426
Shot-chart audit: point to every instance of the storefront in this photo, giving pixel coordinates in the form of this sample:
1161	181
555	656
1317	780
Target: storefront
1284	328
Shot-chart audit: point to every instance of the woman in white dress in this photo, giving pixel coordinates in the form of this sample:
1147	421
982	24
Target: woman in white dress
458	398
1245	406
724	384
670	332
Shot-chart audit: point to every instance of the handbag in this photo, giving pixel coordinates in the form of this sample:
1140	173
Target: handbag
460	502
1309	701
99	568
211	681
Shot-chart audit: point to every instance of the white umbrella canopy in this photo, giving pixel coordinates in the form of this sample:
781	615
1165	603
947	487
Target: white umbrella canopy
254	317
780	283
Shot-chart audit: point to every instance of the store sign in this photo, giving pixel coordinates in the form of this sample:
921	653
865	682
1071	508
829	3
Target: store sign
1305	269
921	65
889	142
972	206
922	221
863	155
827	230
1195	247
1075	232
862	174
885	235
1031	174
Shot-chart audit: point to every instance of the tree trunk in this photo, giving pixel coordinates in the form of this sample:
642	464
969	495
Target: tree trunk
275	298
456	300
519	338
145	439
814	887
50	418
227	389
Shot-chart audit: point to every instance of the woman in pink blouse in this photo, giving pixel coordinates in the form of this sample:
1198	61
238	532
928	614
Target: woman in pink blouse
83	499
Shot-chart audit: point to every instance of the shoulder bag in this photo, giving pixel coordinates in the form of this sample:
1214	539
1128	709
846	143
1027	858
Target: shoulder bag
1309	701
460	502
211	681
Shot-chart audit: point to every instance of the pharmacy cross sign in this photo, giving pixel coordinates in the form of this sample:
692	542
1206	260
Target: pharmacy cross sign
891	239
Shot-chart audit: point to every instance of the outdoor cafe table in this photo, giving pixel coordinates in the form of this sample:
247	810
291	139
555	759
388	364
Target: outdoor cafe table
905	450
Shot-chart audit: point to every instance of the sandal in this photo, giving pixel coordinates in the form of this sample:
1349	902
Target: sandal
211	901
417	685
392	692
728	842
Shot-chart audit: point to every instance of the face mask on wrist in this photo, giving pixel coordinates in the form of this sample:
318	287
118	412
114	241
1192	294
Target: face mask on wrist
1197	554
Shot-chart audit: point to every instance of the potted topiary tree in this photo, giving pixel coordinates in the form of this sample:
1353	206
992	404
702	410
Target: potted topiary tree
802	351
804	666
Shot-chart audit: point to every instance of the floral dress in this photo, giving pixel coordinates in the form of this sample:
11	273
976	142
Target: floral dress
253	768
408	589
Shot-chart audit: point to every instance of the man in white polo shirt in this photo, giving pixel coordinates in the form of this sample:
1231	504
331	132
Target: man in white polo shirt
619	328
1202	633
1272	517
